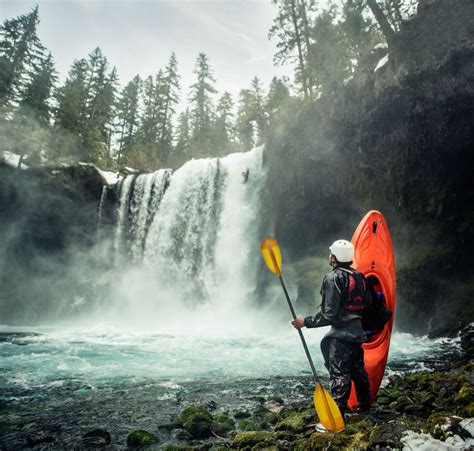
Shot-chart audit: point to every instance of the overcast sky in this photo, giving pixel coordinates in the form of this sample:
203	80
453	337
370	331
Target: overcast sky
139	36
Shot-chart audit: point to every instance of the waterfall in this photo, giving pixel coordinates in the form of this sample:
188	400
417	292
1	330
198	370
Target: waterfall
194	231
103	196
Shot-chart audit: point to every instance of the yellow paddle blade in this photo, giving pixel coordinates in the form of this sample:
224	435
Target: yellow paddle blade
327	410
271	254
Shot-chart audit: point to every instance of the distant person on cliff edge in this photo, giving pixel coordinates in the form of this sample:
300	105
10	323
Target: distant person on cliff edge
345	294
245	175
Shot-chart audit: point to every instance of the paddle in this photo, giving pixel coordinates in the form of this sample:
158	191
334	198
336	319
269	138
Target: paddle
326	408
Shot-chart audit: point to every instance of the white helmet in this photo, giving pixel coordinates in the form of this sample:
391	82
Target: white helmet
343	250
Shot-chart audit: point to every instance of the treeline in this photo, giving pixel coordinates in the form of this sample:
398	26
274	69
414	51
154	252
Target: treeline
91	118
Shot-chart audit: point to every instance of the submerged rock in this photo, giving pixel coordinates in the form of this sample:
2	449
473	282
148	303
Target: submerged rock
97	437
141	438
242	414
41	438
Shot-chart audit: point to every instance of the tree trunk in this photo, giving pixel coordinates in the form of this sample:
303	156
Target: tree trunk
294	19
306	39
385	26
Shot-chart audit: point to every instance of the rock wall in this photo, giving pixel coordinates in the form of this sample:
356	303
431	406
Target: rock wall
48	221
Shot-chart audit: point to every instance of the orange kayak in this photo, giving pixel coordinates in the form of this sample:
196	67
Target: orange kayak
373	256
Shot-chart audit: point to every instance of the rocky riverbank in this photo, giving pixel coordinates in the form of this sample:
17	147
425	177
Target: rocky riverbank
434	408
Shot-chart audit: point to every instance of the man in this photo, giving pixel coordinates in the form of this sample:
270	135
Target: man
245	175
344	294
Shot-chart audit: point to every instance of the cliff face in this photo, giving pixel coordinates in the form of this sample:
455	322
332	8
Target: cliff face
399	139
48	221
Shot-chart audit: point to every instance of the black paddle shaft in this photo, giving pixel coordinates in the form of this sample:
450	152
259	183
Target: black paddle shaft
310	360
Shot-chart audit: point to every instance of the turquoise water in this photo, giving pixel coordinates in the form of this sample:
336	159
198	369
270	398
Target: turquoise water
43	358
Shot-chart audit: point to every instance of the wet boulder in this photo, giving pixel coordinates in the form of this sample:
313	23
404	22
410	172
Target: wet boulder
196	420
141	438
387	435
252	438
181	434
222	424
443	426
296	422
465	400
240	414
273	406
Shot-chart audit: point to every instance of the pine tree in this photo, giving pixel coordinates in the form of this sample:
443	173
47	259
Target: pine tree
329	54
128	118
86	108
358	29
278	95
20	51
169	98
183	140
245	123
259	115
37	92
291	26
224	135
150	120
72	100
201	106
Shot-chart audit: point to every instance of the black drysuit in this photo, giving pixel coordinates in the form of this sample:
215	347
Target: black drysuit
342	345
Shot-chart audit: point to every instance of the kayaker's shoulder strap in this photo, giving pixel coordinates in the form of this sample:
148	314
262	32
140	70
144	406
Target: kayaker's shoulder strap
349	271
342	285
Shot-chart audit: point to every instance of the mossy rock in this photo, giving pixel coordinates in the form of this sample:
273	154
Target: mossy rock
250	425
443	425
400	404
252	438
301	445
184	435
391	392
270	417
222	424
141	438
467	411
286	435
383	400
259	399
387	435
465	395
197	421
363	426
296	422
327	441
284	413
